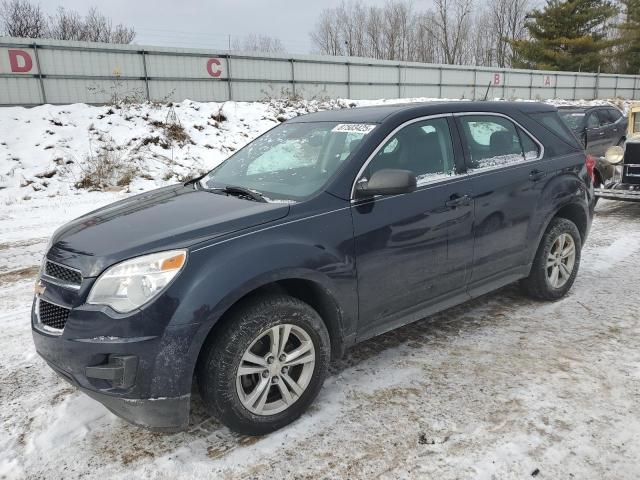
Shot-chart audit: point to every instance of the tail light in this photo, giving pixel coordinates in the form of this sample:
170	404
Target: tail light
590	163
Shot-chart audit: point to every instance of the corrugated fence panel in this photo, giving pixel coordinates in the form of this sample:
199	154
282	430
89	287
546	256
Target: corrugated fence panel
98	73
19	91
322	90
374	74
73	62
185	66
318	72
260	69
92	91
198	90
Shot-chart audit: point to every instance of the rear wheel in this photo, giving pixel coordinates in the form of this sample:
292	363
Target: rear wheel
556	263
266	366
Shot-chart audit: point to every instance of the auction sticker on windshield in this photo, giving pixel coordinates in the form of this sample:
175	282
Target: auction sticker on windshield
353	128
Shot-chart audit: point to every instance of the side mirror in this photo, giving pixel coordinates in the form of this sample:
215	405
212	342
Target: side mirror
614	155
387	181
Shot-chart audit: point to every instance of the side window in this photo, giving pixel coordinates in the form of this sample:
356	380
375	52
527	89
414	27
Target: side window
605	118
593	121
424	147
614	114
493	141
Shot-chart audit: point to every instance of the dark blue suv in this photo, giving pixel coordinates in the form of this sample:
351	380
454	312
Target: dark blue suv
328	229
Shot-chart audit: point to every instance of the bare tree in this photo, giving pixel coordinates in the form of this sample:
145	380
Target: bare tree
452	32
373	33
66	25
98	28
326	34
453	22
22	19
258	43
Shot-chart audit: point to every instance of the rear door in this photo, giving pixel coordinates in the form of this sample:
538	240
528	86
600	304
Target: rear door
507	177
414	250
616	127
596	133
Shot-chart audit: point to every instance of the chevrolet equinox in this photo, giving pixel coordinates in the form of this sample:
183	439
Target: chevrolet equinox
326	230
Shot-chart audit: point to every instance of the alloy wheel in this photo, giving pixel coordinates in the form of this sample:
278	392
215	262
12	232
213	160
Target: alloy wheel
275	370
561	260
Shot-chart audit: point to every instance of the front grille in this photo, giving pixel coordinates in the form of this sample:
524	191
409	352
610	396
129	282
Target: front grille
60	272
52	315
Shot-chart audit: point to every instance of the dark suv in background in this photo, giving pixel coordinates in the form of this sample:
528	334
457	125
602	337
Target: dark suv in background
325	231
598	127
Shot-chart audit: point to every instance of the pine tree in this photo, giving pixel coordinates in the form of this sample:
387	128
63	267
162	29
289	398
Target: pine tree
567	35
629	53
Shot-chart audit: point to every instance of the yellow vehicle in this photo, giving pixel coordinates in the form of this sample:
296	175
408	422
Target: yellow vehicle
620	167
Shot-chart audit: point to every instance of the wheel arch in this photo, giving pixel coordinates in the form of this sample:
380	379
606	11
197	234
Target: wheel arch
577	215
309	290
574	211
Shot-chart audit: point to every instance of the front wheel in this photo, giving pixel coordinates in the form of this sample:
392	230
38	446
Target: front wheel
266	366
556	263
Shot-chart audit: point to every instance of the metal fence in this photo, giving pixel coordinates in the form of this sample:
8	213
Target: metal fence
60	72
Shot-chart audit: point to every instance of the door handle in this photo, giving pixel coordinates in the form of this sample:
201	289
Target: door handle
601	133
536	175
456	200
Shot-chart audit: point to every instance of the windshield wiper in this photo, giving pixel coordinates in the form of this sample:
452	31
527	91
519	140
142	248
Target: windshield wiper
238	191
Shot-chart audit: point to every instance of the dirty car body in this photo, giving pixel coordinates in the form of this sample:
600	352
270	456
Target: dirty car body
364	260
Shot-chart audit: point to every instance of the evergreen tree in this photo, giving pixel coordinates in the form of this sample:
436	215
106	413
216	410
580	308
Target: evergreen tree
629	53
567	35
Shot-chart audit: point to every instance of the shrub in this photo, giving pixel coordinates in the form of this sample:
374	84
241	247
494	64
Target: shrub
106	168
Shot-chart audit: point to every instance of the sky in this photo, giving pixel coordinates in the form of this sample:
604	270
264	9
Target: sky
208	24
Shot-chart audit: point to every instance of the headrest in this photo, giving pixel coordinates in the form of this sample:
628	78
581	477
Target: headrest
501	143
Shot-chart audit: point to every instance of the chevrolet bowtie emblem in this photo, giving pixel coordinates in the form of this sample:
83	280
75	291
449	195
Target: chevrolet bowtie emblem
39	288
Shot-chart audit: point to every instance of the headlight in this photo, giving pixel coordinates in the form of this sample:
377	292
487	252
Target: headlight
130	284
614	155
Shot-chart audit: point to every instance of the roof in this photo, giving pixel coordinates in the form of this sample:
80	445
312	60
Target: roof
378	113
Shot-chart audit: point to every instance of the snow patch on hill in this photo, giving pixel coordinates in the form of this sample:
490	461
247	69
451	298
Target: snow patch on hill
50	150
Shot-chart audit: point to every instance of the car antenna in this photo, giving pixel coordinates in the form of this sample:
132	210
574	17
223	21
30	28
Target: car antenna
487	92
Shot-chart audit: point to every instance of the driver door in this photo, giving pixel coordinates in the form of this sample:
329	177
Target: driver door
414	250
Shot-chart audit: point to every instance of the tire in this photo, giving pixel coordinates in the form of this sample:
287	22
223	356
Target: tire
540	283
248	333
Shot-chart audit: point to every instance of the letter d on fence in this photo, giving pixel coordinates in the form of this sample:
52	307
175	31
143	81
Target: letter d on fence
14	61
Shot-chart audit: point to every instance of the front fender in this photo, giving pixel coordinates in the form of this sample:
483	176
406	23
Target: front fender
318	249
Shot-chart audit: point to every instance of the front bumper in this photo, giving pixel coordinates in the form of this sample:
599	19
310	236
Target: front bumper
618	194
145	379
166	414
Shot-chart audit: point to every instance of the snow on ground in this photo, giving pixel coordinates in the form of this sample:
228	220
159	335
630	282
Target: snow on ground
498	388
501	387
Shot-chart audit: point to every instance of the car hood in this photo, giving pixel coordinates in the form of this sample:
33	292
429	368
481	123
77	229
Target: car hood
166	218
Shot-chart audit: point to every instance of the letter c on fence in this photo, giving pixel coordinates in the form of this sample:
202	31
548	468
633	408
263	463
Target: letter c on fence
14	56
496	79
214	72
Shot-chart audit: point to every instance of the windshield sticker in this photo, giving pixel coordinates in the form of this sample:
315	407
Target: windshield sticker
353	128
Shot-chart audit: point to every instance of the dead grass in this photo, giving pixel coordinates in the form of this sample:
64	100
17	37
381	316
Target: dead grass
106	168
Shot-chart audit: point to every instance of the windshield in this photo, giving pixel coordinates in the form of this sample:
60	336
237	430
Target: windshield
573	118
290	162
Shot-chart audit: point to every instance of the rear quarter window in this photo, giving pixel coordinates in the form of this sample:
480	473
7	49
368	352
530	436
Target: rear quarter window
553	123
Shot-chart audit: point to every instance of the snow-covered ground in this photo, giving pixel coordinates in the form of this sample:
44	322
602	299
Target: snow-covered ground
502	387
